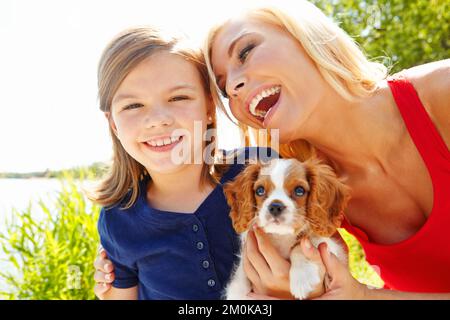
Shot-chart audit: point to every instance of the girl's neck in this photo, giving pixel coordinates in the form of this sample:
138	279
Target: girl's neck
180	192
187	180
356	136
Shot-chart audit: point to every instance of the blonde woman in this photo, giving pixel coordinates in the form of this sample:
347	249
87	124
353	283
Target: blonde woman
294	70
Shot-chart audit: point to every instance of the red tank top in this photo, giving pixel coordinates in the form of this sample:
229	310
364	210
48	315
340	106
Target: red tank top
420	263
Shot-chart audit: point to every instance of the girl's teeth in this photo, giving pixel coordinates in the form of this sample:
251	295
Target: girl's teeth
163	142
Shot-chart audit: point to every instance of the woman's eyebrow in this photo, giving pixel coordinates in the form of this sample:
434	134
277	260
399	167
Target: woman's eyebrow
234	42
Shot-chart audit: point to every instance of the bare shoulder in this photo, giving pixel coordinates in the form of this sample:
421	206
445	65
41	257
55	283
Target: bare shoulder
432	83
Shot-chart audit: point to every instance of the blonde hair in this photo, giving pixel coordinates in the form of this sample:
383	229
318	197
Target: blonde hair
337	56
119	58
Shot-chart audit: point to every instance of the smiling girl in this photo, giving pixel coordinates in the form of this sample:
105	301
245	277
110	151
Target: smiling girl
164	222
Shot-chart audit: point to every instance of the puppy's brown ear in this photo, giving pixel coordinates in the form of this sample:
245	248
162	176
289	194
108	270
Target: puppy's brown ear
240	197
327	199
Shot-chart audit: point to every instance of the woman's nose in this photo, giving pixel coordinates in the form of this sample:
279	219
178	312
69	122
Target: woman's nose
236	85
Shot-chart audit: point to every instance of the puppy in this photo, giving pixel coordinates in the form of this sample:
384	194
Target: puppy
289	200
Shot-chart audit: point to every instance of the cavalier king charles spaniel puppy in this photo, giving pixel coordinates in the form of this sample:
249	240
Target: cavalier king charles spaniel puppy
289	200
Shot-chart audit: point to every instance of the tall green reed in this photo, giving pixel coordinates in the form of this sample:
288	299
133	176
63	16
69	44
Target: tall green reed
51	257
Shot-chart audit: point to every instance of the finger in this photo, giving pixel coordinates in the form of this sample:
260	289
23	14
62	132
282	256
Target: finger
310	252
251	273
334	267
102	253
276	263
256	258
256	296
103	265
100	289
103	277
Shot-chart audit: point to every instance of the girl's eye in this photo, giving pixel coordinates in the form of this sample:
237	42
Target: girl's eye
178	98
132	106
299	191
260	191
244	52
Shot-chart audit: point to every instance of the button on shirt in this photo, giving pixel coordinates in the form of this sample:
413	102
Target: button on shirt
171	255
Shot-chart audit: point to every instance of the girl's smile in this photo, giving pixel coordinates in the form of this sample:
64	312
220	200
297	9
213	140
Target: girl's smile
163	143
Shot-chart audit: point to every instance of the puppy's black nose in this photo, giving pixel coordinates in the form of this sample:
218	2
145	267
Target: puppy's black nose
276	208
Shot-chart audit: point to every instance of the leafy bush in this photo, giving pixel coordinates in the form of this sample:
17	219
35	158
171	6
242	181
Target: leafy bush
52	257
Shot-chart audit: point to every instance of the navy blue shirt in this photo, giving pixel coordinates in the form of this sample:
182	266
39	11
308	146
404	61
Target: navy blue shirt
171	255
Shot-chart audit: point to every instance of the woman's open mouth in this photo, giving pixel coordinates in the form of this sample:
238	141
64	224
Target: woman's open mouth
262	104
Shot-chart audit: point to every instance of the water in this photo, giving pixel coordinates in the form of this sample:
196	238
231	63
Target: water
19	193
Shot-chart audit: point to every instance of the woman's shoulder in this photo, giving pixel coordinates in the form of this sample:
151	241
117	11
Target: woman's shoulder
432	83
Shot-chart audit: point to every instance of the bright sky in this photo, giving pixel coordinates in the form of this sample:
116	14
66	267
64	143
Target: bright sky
49	115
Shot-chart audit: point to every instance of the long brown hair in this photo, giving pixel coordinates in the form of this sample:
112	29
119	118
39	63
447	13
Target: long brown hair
119	58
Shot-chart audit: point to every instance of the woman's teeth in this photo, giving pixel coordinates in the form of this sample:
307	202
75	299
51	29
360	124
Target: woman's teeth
257	99
163	142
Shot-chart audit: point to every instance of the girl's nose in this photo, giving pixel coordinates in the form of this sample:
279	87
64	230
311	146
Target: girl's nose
158	117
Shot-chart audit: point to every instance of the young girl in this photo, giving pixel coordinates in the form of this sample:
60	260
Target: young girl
164	222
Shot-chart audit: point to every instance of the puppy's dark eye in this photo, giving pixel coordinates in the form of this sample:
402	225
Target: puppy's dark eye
260	191
299	191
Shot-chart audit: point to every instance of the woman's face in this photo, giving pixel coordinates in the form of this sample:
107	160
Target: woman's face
268	78
158	110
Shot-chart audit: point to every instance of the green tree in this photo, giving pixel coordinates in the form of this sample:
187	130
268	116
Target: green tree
408	33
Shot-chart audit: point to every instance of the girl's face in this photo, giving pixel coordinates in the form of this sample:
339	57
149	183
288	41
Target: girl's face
269	79
160	95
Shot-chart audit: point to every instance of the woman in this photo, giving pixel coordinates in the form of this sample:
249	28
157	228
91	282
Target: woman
387	137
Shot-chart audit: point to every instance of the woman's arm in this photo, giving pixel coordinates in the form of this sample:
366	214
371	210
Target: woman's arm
121	294
343	286
382	294
269	274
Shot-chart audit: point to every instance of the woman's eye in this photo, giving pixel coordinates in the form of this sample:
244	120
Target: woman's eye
244	52
178	98
223	93
132	106
260	191
299	191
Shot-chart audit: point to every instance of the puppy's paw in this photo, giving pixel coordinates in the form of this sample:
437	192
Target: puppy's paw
305	281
